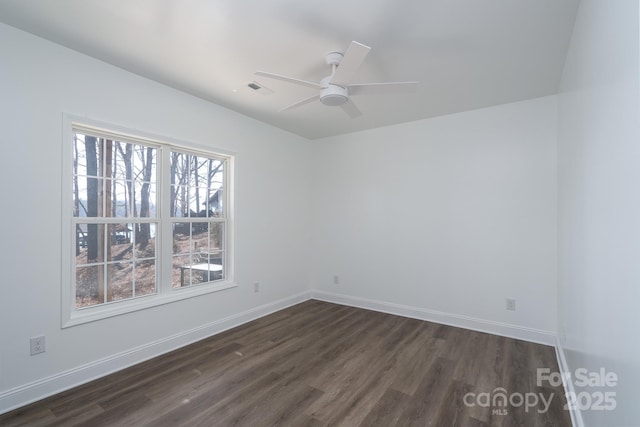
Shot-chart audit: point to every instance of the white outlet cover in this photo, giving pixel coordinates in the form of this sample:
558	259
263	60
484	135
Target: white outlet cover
37	345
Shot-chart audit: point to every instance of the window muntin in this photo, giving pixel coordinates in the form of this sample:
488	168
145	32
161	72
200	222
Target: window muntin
119	220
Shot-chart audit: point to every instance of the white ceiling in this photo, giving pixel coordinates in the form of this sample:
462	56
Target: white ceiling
466	54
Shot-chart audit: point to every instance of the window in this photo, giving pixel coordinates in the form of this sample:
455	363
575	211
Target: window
150	222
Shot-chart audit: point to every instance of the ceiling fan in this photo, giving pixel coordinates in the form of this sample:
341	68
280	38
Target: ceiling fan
336	89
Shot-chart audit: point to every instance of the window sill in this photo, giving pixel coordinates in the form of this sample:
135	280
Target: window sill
105	311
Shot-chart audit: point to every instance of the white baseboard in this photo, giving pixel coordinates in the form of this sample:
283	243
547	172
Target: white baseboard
576	416
481	325
45	387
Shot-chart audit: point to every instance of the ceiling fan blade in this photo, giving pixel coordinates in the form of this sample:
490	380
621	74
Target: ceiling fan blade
290	80
353	58
302	102
381	88
350	108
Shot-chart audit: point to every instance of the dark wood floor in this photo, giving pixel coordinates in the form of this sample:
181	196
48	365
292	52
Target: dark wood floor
318	364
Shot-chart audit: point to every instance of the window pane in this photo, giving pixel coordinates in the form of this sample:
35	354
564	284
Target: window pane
201	171
199	273
123	161
216	251
89	243
87	151
79	155
121	236
86	197
146	199
179	201
119	281
121	205
189	236
143	163
146	241
145	283
198	202
87	286
216	187
181	238
181	272
216	205
216	236
179	177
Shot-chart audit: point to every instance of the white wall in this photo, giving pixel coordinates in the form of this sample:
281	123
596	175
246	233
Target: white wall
452	214
448	216
38	82
599	204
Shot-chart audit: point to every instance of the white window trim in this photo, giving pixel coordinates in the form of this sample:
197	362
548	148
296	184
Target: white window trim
70	315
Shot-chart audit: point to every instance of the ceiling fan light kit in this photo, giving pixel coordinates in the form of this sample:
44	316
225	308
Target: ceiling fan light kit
334	89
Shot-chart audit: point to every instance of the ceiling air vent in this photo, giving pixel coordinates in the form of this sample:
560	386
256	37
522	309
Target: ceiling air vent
261	89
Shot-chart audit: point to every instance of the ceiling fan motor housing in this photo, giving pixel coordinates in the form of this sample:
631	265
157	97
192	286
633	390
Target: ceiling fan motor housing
333	94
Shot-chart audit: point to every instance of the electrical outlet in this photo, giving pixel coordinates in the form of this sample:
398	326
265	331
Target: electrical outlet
37	345
336	280
256	287
511	304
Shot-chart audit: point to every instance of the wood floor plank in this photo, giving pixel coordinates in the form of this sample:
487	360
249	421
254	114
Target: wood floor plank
72	417
387	410
317	364
470	362
26	416
338	370
420	359
220	390
429	396
491	376
474	422
388	351
451	413
275	402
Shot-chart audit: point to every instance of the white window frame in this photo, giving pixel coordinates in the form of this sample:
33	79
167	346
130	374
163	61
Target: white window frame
165	292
